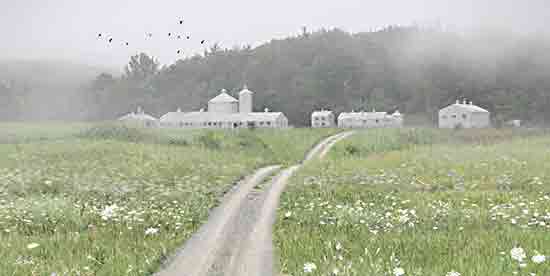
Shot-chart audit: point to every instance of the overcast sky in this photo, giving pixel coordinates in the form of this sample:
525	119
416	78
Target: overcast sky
67	29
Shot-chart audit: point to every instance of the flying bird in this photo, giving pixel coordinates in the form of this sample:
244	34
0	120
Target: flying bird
110	40
188	37
178	51
169	34
99	35
127	44
179	36
202	42
181	22
149	35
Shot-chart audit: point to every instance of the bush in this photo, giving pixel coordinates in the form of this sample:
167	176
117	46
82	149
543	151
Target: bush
209	140
117	132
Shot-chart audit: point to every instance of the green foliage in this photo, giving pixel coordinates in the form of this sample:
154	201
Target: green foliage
209	140
117	131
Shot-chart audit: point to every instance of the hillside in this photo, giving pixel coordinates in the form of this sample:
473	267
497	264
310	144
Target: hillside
408	68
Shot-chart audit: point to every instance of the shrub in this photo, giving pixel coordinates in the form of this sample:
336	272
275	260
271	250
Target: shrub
116	132
209	140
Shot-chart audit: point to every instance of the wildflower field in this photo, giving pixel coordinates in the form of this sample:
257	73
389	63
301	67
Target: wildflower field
112	200
421	202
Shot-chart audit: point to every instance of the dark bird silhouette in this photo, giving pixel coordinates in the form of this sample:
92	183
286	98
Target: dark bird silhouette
181	22
202	42
188	37
178	51
149	35
110	40
99	35
169	34
127	43
179	36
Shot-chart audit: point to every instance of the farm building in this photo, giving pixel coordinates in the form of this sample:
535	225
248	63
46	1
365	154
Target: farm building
464	115
224	111
370	120
139	118
323	118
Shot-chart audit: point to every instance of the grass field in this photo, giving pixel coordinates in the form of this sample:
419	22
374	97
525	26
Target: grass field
421	202
108	200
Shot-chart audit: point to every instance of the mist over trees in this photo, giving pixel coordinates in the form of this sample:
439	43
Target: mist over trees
416	70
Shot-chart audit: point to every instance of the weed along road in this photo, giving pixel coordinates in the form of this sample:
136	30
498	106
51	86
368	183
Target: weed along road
237	238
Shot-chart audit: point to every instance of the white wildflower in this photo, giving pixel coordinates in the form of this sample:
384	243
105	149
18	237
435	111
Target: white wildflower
338	246
288	214
32	245
452	273
109	212
309	267
398	271
538	259
151	231
517	254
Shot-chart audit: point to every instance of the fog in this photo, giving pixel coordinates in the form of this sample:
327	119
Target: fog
67	29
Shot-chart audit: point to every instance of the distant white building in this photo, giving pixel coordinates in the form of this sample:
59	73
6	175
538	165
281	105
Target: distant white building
464	115
323	118
370	120
224	111
139	118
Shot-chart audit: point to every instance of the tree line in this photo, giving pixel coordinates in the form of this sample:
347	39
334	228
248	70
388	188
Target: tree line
411	69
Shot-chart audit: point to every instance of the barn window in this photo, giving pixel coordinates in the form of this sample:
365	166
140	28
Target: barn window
268	123
464	116
261	123
210	123
454	116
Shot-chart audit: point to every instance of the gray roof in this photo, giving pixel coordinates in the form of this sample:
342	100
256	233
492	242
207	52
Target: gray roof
223	97
221	117
362	115
321	113
245	91
138	117
468	107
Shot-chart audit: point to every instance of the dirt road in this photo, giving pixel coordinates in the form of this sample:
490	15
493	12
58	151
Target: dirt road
237	238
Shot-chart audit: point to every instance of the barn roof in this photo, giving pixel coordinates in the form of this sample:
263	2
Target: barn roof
321	113
137	116
469	107
245	91
221	117
362	115
223	97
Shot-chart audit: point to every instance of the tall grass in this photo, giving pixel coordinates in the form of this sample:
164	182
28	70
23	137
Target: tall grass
460	202
113	200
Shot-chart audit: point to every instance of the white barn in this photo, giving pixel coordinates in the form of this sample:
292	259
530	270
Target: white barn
139	118
464	115
370	120
224	111
323	118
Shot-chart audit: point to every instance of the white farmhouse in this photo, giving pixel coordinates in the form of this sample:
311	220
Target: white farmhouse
224	111
464	115
323	118
370	120
139	118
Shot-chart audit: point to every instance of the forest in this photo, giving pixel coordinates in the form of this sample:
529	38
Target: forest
415	70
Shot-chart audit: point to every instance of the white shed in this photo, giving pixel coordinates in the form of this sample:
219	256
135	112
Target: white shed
323	118
139	118
464	115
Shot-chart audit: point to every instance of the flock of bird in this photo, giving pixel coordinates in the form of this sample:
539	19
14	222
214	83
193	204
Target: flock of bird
110	39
